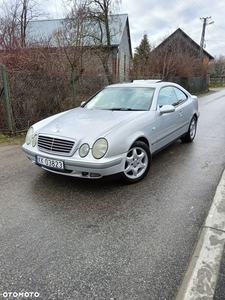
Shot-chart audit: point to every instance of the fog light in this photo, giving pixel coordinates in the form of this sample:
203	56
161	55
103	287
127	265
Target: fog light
95	175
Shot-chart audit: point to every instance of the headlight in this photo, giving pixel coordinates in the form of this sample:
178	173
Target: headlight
99	148
84	149
29	136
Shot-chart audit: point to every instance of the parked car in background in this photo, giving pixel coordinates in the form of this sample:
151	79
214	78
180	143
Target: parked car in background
115	132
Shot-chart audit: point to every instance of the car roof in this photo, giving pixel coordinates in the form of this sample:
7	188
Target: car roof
147	81
136	83
154	83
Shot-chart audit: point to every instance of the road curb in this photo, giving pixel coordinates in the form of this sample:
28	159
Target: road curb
201	276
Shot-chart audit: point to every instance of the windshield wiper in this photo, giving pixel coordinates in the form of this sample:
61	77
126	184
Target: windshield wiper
120	108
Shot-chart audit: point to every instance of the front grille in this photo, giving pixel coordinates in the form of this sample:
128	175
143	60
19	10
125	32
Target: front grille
55	145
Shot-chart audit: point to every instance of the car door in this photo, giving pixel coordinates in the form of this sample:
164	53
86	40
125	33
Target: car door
183	107
167	123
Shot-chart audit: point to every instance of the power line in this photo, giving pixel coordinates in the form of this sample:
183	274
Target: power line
184	8
187	8
197	8
217	42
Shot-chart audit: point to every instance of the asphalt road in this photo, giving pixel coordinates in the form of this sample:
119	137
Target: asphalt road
64	238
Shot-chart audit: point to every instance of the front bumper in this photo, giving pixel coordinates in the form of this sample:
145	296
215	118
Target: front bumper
77	167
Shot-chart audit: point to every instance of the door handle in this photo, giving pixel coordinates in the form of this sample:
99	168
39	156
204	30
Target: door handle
181	113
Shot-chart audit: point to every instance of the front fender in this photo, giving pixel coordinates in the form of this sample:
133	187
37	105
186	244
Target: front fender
120	142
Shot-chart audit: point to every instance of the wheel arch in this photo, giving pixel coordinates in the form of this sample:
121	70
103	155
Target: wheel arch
196	116
142	139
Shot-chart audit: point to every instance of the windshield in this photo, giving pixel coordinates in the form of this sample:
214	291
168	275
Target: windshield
122	98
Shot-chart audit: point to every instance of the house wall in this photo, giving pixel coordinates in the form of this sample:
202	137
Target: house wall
183	56
120	65
124	57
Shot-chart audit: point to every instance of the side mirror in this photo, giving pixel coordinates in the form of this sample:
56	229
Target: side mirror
165	109
82	103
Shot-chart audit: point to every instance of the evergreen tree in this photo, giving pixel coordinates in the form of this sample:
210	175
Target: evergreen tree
143	50
141	57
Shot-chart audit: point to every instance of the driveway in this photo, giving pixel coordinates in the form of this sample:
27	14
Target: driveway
64	238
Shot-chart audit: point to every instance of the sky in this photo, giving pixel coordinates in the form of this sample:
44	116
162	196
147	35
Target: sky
159	19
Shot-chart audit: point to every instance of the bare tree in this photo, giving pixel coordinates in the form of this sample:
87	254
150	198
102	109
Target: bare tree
217	67
9	31
16	15
101	15
176	58
91	21
70	37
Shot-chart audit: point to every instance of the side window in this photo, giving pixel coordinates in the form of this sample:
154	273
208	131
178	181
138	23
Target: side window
181	97
167	96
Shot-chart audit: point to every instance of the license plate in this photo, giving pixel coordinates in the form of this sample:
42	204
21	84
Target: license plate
51	163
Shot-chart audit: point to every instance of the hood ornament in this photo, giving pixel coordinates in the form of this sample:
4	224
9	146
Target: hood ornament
57	128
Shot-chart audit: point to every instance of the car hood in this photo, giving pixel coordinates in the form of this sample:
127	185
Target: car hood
79	123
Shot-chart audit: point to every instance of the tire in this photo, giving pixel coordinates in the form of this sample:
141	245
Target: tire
190	135
138	161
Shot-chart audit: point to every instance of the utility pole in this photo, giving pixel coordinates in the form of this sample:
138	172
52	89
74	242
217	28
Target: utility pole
205	23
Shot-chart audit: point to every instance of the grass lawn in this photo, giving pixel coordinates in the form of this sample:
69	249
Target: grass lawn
17	139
